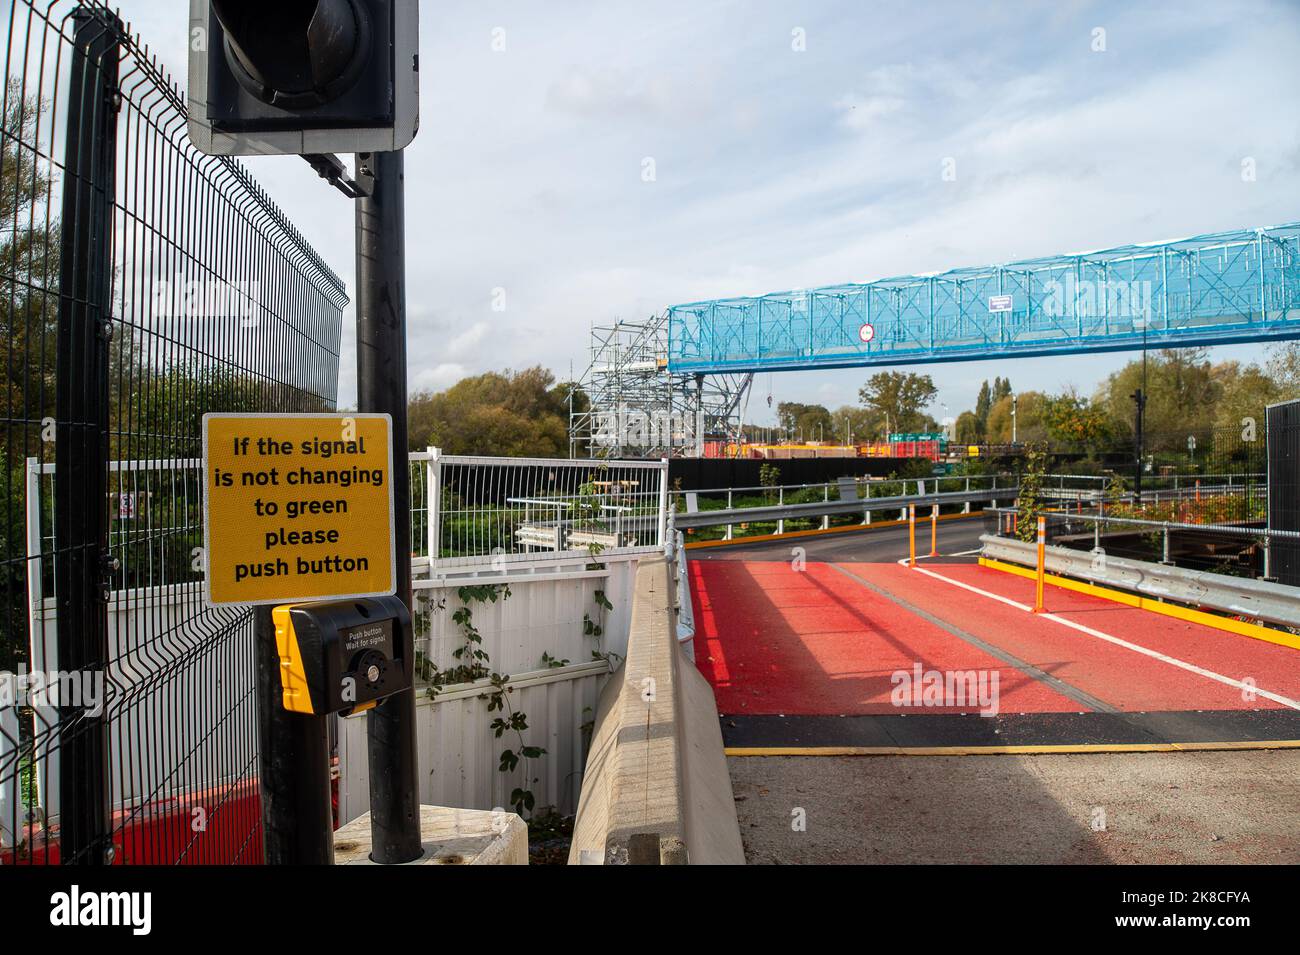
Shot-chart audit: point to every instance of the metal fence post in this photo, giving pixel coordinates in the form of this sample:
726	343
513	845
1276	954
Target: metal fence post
85	327
381	387
663	501
433	499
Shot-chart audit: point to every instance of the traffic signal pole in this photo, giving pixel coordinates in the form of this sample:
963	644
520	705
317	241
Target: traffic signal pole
381	387
1139	440
294	765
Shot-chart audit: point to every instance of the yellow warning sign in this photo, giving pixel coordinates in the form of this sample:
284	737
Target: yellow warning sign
297	507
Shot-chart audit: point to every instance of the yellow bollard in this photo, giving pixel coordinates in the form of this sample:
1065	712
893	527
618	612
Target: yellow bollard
1042	564
934	530
911	535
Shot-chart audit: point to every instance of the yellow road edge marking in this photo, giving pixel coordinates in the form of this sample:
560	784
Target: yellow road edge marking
1178	611
817	531
1046	749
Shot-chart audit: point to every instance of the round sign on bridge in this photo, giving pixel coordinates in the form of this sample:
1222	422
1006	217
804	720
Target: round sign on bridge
866	333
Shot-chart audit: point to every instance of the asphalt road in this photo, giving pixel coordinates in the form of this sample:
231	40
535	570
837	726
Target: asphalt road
1149	808
871	545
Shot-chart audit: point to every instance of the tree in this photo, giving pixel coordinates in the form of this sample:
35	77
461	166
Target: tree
1070	419
1181	393
856	425
513	414
983	404
1031	500
29	285
1244	393
899	397
969	429
1029	425
1284	369
810	421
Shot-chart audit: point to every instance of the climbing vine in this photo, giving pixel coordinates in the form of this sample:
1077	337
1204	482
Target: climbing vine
473	663
594	627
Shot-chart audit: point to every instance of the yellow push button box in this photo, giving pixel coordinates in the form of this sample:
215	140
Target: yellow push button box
342	656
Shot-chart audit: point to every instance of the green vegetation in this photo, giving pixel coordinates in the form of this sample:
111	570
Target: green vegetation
1032	502
899	398
511	414
29	282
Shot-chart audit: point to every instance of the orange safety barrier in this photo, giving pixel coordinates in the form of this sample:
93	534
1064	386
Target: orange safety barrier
911	535
1041	578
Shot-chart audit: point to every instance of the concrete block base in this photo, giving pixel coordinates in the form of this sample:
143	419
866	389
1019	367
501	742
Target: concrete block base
449	836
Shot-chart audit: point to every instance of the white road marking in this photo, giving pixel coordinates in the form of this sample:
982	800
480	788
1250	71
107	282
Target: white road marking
1146	651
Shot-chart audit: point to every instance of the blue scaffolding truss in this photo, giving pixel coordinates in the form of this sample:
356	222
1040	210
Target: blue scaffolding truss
1205	290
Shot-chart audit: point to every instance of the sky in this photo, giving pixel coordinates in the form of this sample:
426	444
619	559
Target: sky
796	144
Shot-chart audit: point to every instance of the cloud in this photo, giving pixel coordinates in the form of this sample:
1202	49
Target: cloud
781	169
606	92
438	377
467	340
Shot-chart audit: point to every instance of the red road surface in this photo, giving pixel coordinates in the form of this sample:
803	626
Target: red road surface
773	640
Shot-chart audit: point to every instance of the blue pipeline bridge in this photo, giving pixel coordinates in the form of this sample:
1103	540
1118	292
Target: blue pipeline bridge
1214	289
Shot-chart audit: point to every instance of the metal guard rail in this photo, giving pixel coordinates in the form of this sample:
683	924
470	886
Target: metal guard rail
678	575
786	512
1105	521
1257	599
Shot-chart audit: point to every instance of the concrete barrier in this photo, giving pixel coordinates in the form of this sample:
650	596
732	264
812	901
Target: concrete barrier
656	787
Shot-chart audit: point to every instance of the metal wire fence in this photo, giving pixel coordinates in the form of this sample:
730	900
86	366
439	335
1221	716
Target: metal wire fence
141	285
1284	487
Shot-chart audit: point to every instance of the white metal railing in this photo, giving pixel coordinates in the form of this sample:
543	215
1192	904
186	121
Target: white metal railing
489	510
503	512
865	487
862	489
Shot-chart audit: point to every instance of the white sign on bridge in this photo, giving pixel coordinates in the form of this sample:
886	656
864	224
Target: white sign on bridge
999	303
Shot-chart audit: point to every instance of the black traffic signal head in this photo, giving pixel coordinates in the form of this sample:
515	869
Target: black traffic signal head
299	54
303	76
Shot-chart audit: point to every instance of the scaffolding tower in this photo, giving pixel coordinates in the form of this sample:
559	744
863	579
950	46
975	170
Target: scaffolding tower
635	408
